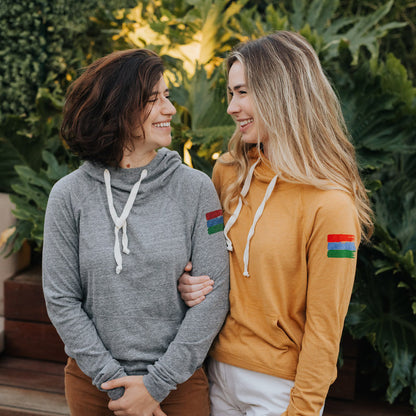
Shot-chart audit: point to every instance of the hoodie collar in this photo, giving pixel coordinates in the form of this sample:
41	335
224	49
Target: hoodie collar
159	169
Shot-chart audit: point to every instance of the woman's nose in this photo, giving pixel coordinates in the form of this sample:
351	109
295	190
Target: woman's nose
168	107
232	107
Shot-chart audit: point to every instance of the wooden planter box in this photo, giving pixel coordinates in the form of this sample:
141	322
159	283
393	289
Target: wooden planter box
27	328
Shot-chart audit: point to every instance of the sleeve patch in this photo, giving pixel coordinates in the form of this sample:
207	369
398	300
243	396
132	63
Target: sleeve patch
215	221
341	246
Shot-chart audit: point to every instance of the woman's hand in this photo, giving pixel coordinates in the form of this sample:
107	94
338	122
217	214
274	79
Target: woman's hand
136	400
194	288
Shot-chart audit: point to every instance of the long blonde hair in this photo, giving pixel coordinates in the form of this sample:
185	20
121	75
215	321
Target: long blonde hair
307	136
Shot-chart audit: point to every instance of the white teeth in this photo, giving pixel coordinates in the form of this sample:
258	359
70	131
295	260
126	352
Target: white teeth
244	122
162	124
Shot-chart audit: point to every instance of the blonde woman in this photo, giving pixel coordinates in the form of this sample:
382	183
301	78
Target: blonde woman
295	212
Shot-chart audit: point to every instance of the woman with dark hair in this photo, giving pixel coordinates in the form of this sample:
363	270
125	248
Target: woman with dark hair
111	290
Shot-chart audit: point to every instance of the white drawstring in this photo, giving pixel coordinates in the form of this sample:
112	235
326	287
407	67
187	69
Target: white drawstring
257	216
121	222
236	212
259	211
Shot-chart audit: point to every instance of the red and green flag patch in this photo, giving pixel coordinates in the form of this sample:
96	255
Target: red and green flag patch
215	221
341	246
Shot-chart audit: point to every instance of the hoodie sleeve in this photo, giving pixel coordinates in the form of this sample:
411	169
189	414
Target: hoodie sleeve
332	250
63	292
202	322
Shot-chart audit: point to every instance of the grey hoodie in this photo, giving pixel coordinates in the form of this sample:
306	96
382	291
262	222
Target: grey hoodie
121	314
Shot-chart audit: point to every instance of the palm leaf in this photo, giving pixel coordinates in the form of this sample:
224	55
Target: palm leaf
384	316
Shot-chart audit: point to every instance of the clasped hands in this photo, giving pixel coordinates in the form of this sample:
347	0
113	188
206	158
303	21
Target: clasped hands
136	400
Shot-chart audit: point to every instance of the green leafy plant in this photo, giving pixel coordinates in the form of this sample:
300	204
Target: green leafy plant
379	106
30	197
43	45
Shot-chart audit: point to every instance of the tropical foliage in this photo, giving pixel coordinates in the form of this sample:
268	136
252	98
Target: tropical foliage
356	41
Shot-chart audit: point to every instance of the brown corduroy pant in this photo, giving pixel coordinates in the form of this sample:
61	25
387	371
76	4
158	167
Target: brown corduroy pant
84	399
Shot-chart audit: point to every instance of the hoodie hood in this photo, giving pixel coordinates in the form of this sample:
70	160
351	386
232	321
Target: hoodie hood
144	179
263	170
158	171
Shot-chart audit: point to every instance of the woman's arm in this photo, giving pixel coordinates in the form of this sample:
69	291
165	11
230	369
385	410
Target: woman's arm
201	323
330	283
63	291
193	289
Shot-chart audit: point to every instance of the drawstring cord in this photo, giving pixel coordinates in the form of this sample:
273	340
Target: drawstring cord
259	211
121	222
257	216
236	212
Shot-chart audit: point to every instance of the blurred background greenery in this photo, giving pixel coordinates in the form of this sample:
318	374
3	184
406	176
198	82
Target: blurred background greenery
368	50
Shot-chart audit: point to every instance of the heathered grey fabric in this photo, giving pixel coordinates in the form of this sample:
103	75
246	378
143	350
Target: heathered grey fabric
134	323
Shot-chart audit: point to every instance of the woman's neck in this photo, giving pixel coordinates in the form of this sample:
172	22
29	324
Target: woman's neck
136	159
265	149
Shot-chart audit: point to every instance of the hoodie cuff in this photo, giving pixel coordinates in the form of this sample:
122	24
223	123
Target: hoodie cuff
115	394
111	371
157	387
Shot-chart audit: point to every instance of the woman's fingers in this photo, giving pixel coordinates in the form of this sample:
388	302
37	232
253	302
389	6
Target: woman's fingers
193	289
191	303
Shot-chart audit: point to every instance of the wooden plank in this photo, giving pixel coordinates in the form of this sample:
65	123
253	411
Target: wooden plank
12	411
43	367
33	380
33	340
24	297
24	399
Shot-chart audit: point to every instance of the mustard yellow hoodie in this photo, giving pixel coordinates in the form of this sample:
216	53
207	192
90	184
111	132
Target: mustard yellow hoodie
286	317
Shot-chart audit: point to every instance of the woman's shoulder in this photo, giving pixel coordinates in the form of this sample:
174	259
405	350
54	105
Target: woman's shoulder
328	195
191	179
225	164
226	158
334	202
72	184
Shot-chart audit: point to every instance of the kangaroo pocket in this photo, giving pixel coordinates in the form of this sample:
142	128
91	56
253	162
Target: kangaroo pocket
258	341
135	338
263	327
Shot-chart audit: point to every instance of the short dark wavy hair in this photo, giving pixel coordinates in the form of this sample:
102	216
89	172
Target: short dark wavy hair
104	107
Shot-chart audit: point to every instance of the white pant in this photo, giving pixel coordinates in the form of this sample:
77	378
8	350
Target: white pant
236	391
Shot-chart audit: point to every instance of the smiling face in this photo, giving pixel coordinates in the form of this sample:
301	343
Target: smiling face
160	110
241	107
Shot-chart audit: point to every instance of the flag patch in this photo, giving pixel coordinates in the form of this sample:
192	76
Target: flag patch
215	221
341	246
